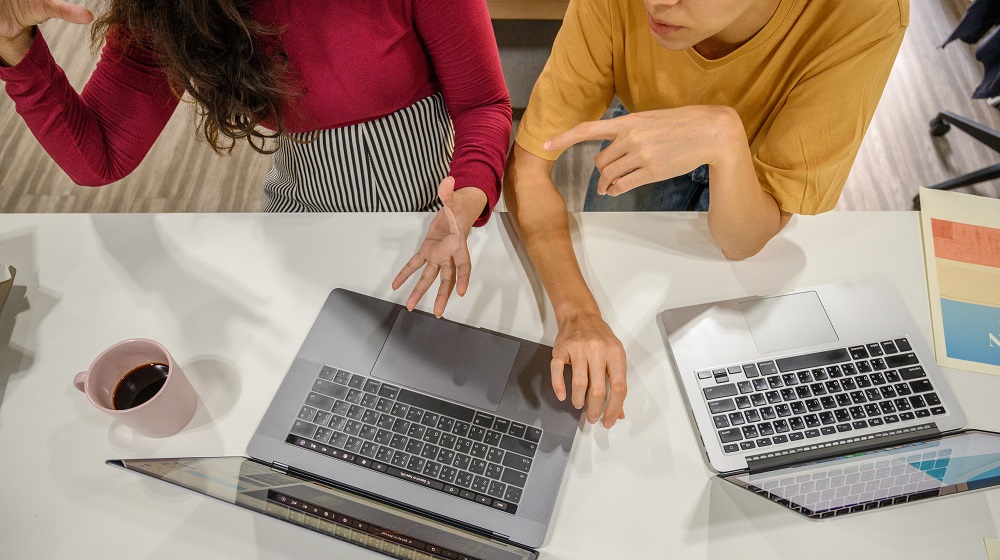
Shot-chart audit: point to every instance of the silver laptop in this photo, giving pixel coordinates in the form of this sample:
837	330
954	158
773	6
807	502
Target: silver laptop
415	436
809	383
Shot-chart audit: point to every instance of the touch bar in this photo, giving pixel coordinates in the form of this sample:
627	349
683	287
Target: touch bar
815	359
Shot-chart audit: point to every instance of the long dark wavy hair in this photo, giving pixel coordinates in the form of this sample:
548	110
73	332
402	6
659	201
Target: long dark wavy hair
230	64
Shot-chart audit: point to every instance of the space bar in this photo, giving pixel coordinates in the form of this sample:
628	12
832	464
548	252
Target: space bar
806	361
435	405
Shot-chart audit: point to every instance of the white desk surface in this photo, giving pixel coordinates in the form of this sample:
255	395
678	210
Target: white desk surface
232	297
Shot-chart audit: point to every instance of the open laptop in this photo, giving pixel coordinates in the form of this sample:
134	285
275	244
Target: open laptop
825	399
411	435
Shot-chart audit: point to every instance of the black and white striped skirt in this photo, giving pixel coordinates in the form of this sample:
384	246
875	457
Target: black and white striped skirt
392	164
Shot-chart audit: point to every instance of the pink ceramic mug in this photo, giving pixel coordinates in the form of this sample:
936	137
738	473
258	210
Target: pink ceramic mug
127	381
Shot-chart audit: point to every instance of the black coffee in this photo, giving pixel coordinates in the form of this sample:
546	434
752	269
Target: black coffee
139	385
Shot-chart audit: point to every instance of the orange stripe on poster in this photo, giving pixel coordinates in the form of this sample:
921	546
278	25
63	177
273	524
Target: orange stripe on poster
966	243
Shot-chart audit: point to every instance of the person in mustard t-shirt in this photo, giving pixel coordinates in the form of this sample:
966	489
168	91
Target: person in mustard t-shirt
765	102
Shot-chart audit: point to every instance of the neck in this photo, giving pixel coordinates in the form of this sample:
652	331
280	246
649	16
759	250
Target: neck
742	30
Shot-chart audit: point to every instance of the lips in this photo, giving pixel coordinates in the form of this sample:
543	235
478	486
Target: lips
662	29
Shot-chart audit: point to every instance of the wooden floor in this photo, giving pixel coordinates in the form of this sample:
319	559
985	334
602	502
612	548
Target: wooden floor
182	174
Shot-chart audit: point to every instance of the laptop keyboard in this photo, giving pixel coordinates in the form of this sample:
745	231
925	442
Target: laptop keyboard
422	439
794	399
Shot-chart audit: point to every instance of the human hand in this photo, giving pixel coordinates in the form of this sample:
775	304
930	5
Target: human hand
18	15
597	358
444	251
651	146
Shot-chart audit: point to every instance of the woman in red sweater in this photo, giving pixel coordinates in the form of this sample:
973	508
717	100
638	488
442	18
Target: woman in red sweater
366	105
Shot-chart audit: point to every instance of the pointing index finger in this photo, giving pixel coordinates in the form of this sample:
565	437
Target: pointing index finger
594	130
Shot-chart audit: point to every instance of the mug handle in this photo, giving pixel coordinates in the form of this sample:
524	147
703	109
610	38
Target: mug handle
80	379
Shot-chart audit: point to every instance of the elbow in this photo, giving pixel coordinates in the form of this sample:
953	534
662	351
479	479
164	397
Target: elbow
741	252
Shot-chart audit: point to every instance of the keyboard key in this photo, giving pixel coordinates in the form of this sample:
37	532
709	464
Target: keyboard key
461	428
443	407
718	407
514	477
721	421
463	479
414	414
446	424
778	440
399	410
901	360
812	433
750	370
517	445
430	419
796	436
532	434
356	382
720	391
858	352
731	435
704	374
388	391
493	437
921	386
330	389
747	445
483	420
477	433
767	368
745	387
937	410
735	418
320	402
805	361
743	403
371	386
903	344
874	349
731	448
760	384
517	429
512	494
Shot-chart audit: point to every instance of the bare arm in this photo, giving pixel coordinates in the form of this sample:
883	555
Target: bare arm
654	145
584	340
742	217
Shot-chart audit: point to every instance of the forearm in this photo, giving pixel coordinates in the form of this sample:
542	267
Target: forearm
542	223
101	135
742	216
13	49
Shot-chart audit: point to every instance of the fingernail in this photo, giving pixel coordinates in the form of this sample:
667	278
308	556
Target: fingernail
547	145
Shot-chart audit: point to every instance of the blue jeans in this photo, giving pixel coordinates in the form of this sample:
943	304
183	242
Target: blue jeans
684	192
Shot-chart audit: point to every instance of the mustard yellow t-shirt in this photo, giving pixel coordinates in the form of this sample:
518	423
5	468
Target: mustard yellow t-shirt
805	86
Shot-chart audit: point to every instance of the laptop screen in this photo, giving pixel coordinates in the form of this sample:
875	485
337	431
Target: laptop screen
337	513
961	462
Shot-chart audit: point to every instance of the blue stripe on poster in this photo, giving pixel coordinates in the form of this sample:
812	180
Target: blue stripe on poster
971	331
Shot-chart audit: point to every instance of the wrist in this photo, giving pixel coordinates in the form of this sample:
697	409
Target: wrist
13	49
725	136
468	204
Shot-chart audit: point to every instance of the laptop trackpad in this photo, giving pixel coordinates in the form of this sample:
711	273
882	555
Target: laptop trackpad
789	321
447	359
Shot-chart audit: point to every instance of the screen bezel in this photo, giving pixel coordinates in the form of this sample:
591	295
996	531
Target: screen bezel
509	550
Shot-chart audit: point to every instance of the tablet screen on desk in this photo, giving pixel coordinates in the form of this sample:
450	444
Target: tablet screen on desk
961	462
331	511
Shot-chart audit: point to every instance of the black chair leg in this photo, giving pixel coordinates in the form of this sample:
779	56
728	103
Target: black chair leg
985	174
940	125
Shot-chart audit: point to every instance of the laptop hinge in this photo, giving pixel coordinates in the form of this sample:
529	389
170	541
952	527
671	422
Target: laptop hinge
767	461
279	467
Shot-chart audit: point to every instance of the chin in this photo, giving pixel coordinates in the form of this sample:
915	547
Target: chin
672	44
